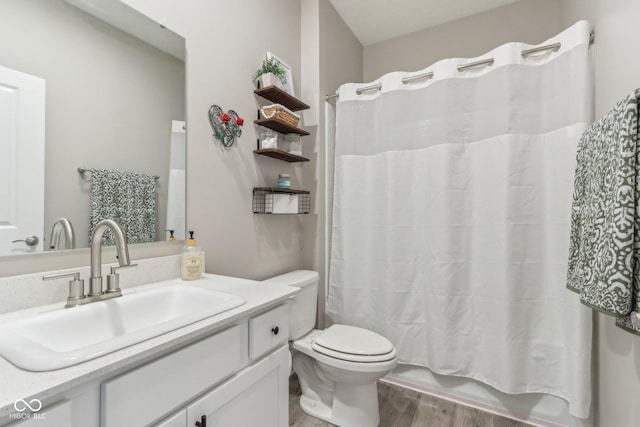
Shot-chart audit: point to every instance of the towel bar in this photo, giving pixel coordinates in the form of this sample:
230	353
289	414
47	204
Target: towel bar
82	170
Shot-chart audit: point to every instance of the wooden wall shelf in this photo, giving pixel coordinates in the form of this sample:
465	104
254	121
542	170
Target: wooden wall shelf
281	190
274	200
280	126
277	95
280	155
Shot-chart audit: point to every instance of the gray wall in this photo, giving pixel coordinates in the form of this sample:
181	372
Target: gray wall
110	99
226	43
527	21
337	60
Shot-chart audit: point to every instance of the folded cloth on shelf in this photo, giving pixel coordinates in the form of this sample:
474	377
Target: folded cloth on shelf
604	248
129	199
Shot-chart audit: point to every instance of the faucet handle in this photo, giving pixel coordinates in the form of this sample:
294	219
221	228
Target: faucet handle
76	287
120	267
113	279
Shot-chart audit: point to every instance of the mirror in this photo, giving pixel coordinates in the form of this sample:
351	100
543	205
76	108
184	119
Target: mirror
113	102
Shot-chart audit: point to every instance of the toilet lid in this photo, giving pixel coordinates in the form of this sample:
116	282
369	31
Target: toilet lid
353	344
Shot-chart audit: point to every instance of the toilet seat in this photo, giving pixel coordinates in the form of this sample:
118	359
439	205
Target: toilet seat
353	344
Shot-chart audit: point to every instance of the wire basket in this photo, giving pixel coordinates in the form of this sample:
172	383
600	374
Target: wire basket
279	201
279	112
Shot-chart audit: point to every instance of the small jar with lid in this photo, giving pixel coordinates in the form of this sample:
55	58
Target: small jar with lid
268	139
293	143
284	180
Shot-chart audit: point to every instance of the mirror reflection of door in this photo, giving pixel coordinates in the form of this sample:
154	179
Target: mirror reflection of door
22	130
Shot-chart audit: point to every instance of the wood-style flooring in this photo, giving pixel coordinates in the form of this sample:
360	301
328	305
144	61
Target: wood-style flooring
400	407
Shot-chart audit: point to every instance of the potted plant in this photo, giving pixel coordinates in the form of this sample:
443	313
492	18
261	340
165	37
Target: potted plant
271	73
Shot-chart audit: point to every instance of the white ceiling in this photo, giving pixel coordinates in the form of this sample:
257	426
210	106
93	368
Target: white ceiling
373	21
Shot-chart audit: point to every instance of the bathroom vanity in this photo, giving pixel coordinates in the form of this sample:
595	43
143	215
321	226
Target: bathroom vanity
231	368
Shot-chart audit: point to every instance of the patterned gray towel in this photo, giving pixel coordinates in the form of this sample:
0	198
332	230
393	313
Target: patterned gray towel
604	248
127	198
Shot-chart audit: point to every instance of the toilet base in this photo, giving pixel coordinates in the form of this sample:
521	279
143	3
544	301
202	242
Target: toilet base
354	405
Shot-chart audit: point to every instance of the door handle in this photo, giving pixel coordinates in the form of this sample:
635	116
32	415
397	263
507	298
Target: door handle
30	241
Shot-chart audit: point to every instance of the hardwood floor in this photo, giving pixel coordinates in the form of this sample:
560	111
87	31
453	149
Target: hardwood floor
400	407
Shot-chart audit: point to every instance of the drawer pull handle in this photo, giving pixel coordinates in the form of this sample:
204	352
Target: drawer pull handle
275	330
202	422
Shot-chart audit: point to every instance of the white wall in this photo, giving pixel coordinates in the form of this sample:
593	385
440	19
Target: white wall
617	73
110	99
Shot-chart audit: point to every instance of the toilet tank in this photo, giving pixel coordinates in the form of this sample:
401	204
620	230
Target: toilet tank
304	306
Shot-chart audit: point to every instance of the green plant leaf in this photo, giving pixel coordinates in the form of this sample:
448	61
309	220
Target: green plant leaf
271	66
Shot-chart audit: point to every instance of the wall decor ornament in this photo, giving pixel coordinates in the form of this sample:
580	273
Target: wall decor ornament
226	126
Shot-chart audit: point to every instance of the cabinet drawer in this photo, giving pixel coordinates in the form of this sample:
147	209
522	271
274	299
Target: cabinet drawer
268	330
142	395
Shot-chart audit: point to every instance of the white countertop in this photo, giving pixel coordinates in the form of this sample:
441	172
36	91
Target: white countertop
16	383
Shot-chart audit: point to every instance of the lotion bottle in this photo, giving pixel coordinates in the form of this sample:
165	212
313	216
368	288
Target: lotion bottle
192	260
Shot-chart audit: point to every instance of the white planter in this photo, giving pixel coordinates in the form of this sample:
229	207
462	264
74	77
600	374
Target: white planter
269	79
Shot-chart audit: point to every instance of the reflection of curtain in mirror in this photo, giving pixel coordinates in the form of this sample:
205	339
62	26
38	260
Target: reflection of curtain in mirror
176	191
451	209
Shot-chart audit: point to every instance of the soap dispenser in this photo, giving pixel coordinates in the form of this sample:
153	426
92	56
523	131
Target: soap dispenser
192	260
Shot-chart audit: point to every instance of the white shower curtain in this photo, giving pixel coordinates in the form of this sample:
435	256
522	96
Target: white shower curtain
451	208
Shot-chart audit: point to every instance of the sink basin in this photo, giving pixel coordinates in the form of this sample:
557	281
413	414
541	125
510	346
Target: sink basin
65	337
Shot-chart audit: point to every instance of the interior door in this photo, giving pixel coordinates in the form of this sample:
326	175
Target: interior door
22	132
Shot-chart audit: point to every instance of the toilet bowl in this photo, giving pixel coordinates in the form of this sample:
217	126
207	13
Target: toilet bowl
337	367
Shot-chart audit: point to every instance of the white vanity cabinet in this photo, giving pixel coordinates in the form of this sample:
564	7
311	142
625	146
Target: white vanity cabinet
232	367
249	388
257	396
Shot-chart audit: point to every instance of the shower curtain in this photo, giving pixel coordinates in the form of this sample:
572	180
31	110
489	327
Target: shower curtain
451	207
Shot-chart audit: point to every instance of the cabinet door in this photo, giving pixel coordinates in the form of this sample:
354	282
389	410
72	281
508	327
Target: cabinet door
178	419
256	396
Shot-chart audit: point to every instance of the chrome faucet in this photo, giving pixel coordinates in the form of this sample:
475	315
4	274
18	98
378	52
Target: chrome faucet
76	285
62	226
95	281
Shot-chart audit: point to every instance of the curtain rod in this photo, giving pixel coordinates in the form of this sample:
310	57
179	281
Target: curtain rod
428	75
377	86
82	170
552	47
489	62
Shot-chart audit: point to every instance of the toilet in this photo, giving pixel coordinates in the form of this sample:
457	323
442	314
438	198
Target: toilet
337	367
